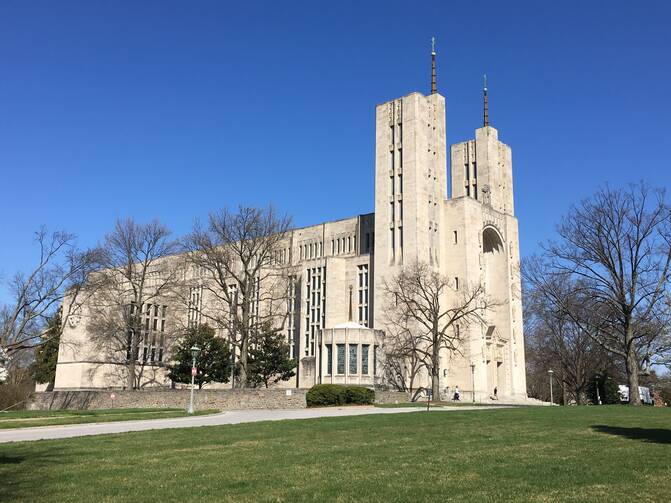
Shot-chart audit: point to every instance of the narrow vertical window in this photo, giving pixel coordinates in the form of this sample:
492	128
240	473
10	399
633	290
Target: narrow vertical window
362	273
353	359
329	359
375	350
364	358
455	237
341	358
456	283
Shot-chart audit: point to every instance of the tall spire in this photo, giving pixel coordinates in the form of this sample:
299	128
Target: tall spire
486	109
434	90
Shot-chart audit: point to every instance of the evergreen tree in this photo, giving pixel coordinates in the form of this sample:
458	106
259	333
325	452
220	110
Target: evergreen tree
46	354
213	361
269	359
609	392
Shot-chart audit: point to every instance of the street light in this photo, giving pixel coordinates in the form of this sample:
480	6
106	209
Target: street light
473	380
551	396
195	350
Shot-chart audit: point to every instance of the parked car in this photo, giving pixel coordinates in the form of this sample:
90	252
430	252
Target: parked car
643	393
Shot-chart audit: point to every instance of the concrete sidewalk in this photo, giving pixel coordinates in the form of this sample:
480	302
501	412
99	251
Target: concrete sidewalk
229	417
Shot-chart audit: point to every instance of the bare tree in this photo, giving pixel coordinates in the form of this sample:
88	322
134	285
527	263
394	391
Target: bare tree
56	282
404	355
236	262
554	341
615	248
132	291
435	311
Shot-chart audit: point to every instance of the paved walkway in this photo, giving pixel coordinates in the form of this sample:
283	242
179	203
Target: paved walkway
228	417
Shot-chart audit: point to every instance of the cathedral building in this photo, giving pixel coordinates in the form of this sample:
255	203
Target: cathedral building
337	320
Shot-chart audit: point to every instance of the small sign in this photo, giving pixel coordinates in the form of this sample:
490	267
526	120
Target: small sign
194	371
112	396
288	392
429	392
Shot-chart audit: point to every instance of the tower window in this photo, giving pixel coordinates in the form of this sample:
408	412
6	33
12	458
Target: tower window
455	237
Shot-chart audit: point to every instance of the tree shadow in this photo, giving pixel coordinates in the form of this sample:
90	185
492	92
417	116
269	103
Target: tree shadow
21	469
10	460
651	435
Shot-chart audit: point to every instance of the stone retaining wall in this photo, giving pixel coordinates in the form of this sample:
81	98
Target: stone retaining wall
391	396
225	399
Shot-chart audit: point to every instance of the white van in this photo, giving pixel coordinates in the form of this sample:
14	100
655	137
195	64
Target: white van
643	393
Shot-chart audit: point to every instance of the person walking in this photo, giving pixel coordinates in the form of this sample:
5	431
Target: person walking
457	394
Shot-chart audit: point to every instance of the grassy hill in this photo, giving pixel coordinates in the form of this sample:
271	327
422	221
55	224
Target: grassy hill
610	453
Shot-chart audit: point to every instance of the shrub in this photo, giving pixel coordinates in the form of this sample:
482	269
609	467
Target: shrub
360	395
322	395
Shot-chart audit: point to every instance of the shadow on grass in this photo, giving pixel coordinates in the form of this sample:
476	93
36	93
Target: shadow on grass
652	435
20	471
10	460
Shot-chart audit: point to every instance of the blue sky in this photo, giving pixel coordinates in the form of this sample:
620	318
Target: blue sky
168	110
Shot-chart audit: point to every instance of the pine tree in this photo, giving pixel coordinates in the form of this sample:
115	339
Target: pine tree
46	354
213	361
269	359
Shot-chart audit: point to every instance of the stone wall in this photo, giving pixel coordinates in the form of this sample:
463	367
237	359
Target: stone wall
225	399
391	396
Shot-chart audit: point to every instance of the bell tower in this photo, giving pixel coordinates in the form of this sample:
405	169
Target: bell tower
410	182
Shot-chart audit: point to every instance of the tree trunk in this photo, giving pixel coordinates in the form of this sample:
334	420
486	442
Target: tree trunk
131	371
242	375
632	375
131	361
435	371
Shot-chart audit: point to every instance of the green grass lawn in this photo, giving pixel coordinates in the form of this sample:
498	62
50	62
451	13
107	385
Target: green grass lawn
422	404
30	418
523	454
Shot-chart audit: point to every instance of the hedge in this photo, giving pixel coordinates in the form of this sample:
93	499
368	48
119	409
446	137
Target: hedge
322	395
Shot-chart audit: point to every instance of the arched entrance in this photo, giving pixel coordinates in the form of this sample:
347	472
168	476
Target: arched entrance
496	285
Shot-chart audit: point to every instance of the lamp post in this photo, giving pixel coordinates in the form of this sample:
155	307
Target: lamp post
551	396
195	350
473	380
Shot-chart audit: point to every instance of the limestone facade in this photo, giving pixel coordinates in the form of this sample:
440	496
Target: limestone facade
337	313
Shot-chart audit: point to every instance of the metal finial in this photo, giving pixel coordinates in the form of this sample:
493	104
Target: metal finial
486	104
434	88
